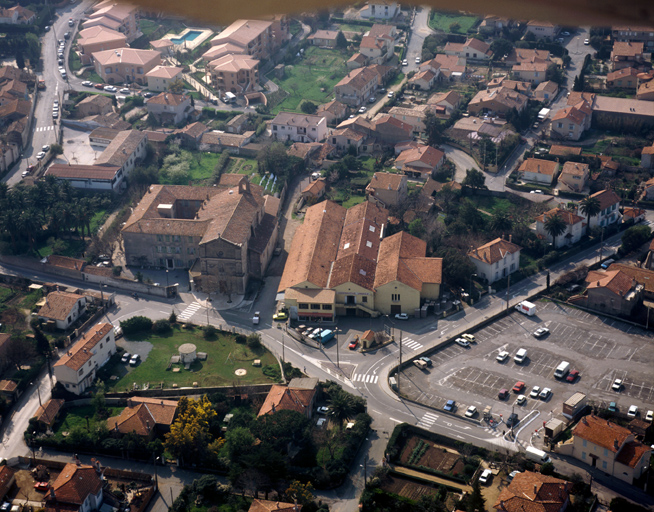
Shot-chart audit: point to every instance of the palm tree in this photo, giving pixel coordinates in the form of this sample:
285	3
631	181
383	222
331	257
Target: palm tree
590	207
501	222
555	226
341	407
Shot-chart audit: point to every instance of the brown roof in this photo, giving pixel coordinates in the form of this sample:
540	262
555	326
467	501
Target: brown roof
273	506
8	386
451	97
163	411
129	56
503	95
47	412
168	98
303	149
75	483
533	492
601	432
641	275
616	281
121	148
315	187
353	268
574	169
621	73
606	198
234	140
104	133
91	172
194	130
632	453
324	34
362	230
560	150
568	216
358	78
299	120
539	166
6	478
58	305
386	181
314	246
81	351
431	186
65	262
287	398
573	114
494	251
627	49
135	419
164	71
425	154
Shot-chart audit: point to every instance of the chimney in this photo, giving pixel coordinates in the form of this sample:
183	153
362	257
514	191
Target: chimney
116	426
535	489
510	236
615	444
584	420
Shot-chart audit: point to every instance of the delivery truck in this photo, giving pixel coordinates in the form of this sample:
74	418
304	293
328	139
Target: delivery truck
537	455
526	308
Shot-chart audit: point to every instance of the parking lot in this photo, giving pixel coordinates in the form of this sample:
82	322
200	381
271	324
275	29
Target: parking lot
601	349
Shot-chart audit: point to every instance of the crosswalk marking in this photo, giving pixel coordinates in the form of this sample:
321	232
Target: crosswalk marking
413	345
370	379
493	431
189	311
44	128
427	420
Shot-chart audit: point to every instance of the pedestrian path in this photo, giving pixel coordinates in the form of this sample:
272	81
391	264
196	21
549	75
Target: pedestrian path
44	128
427	420
189	311
412	344
368	379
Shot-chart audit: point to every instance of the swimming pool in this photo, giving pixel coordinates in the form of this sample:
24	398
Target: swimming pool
189	36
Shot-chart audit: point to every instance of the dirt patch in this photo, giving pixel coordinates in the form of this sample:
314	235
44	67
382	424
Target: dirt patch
435	457
407	488
25	486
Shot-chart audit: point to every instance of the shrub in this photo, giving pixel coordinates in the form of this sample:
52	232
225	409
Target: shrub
161	326
241	338
254	341
116	271
209	332
172	318
136	324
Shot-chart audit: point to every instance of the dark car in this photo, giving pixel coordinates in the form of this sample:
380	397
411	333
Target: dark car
503	393
572	376
512	420
449	406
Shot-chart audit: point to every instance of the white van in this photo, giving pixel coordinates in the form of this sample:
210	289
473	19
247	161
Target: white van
520	356
562	370
537	455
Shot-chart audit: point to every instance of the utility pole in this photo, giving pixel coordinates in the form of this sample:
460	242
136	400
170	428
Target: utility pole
399	370
338	363
283	346
508	289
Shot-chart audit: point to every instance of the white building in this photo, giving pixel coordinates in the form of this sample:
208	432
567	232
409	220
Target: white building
299	127
496	260
575	227
380	10
76	370
62	308
610	213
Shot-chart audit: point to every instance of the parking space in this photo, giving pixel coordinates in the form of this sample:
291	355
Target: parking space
601	349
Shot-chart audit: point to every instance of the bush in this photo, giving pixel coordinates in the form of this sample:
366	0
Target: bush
136	324
116	271
161	326
254	341
172	318
209	332
241	338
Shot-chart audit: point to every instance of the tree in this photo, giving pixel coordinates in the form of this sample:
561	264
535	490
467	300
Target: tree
501	48
56	149
634	237
417	228
341	42
189	433
501	222
476	501
308	107
176	86
555	226
455	27
341	407
42	343
434	128
590	206
300	493
99	402
457	267
555	74
474	180
20	60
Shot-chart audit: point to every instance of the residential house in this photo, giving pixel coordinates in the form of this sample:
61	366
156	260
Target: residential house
76	369
357	60
430	189
94	105
473	49
546	91
387	189
164	46
532	72
273	506
191	134
623	78
610	209
343	138
539	171
377	46
7	480
635	34
238	74
383	10
225	234
298	127
498	101
103	136
574	176
451	67
424	80
314	191
9	390
626	55
125	151
357	86
645	91
97	39
493	127
575	227
622	114
325	38
631	214
414	116
160	77
542	29
169	107
89	177
144	417
125	64
648	192
519	55
255	38
420	162
444	103
334	111
390	130
239	123
534	492
496	259
218	51
217	142
17	15
608	447
571	122
492	24
289	398
121	17
78	488
62	308
48	412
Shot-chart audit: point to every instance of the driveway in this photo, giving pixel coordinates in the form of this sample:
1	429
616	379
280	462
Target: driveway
462	160
419	31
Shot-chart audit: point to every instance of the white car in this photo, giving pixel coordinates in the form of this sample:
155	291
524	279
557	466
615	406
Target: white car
501	357
513	474
485	476
633	411
535	391
390	94
521	399
565	34
586	42
125	358
55	114
87	83
405	62
471	411
40	155
45	148
323	410
540	332
55	103
401	316
462	342
321	422
617	385
649	416
362	110
125	90
545	393
134	360
110	88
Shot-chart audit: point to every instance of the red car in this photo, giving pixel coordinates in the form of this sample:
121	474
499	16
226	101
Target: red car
42	486
99	86
572	376
354	343
519	386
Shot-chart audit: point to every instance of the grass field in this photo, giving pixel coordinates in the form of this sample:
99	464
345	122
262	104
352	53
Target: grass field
202	166
352	191
442	21
77	417
98	219
224	357
320	68
242	166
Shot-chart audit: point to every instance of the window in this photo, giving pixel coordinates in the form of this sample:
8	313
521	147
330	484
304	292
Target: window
177	238
167	238
190	250
364	299
606	452
604	464
190	238
327	307
100	346
158	248
178	250
584	443
395	297
583	455
303	306
315	306
89	364
169	250
159	238
81	372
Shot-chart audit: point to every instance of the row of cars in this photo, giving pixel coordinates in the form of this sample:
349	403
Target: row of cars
132	359
113	89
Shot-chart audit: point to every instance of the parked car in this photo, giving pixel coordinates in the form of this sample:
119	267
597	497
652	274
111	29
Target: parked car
87	83
256	318
633	411
45	148
42	486
99	86
426	360
613	407
110	88
535	391
321	422
280	316
617	385
362	110
417	60
519	386
470	337
405	62
503	393
401	316
565	33
586	42
148	94
540	332
126	357
134	360
485	476
449	405
649	416
353	344
502	356
545	393
390	94
572	376
512	420
125	90
462	342
471	412
323	410
513	474
522	399
40	155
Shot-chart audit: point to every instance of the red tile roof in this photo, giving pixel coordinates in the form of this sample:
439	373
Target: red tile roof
494	251
568	216
47	413
273	506
81	351
539	166
58	305
75	483
283	397
533	492
617	281
601	432
606	198
632	453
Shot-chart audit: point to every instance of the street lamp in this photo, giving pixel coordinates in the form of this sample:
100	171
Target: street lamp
471	276
38	391
365	470
336	331
33	454
156	479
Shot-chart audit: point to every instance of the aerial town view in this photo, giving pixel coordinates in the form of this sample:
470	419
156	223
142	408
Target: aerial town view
378	257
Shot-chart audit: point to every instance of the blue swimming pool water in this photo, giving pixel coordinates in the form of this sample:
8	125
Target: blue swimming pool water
189	36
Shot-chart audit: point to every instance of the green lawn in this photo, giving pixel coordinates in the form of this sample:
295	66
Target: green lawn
5	294
74	62
77	417
351	192
148	27
242	166
98	219
319	68
396	81
224	357
72	248
442	21
90	74
202	165
361	29
492	204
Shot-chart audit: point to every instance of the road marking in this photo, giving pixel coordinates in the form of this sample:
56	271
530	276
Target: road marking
396	421
413	345
189	311
368	379
427	421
